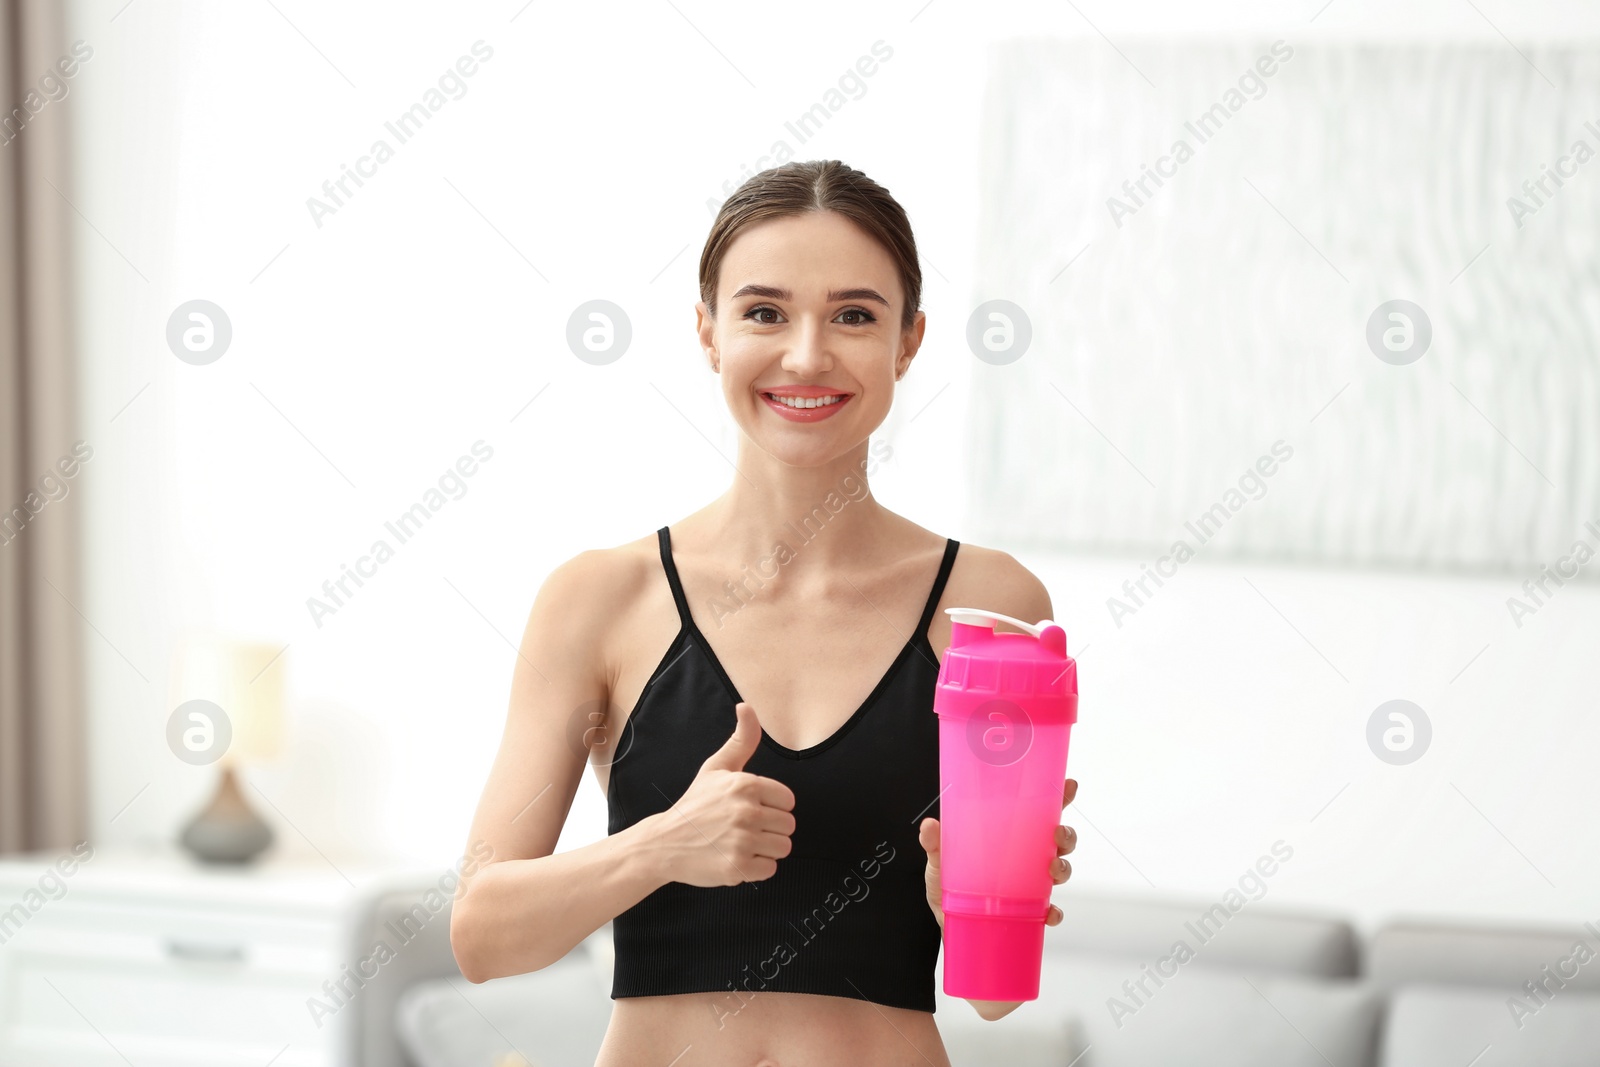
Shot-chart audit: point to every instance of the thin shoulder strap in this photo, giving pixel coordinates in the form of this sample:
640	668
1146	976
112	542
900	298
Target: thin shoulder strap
672	576
950	546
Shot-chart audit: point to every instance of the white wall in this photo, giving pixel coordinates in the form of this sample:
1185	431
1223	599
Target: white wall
1197	306
1231	709
373	351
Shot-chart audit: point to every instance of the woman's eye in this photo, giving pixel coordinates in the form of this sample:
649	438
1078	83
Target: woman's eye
761	312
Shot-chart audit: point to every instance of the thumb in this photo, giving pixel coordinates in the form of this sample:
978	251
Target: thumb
741	745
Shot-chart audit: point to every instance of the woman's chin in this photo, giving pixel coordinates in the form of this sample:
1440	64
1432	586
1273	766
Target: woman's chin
803	450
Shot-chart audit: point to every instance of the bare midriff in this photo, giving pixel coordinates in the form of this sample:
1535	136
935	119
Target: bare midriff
767	1029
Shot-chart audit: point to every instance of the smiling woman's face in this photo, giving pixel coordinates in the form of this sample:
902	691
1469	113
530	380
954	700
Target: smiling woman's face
807	335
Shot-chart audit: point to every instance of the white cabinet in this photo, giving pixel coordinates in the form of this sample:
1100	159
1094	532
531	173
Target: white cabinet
160	962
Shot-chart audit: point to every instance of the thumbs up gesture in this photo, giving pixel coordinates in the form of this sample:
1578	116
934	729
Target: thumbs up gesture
729	826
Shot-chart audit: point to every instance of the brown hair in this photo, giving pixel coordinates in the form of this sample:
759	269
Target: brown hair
816	185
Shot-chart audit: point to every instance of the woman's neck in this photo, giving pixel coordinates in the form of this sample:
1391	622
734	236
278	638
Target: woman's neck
826	513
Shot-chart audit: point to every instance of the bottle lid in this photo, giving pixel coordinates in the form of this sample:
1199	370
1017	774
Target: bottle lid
979	617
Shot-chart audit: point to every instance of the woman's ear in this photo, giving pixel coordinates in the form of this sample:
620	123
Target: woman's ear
705	326
911	341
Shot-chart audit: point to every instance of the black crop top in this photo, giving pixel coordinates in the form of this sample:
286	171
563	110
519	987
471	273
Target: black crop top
846	913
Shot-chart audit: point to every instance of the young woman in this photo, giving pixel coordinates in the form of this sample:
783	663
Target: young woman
754	687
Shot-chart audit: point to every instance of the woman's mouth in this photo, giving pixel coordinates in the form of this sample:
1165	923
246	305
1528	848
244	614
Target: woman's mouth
797	408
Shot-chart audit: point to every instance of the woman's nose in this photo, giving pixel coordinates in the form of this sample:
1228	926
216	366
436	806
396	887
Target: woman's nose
808	355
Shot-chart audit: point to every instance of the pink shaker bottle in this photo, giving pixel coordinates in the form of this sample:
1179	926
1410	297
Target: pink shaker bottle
1006	703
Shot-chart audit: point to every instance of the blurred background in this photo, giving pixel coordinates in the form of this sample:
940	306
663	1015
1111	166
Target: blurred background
1265	333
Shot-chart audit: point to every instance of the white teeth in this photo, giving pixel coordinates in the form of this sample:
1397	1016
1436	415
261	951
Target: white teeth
806	402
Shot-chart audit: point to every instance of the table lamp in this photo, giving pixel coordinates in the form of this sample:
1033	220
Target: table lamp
242	680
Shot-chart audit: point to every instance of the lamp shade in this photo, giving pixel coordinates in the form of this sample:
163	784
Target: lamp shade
246	680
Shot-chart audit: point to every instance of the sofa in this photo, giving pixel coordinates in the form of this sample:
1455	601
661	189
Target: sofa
1253	988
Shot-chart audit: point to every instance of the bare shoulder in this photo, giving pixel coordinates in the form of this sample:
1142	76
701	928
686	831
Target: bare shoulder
597	585
583	599
995	580
614	568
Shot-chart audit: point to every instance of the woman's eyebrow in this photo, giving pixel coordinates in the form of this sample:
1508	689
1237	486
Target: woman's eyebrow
774	293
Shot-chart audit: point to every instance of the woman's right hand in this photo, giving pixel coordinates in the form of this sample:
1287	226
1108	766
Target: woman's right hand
729	826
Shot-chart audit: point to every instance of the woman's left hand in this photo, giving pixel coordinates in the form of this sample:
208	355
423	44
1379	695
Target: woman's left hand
1060	867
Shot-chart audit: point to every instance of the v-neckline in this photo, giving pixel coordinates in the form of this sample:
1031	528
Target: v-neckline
693	629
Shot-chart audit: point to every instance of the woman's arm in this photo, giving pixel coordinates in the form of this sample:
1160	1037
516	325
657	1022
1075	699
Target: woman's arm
526	908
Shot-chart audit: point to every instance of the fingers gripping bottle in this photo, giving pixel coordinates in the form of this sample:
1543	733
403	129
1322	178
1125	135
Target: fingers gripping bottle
1006	704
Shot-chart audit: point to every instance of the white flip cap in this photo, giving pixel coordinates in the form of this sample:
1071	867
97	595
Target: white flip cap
979	617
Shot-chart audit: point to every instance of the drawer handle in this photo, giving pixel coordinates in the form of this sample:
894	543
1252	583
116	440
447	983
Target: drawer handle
195	952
